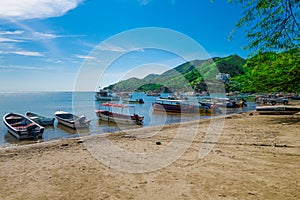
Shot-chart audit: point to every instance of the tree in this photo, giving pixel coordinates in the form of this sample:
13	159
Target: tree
271	72
272	24
273	30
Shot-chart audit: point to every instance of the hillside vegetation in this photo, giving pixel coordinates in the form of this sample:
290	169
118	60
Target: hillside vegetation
265	72
189	76
270	72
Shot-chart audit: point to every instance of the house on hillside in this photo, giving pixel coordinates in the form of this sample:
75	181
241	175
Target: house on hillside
223	77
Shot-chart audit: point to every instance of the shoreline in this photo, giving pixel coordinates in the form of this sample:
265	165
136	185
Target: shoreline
255	157
105	134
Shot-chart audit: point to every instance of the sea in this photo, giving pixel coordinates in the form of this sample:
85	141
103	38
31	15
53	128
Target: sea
83	103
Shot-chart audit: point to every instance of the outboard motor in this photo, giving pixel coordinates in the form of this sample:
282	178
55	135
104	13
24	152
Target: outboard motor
32	130
82	119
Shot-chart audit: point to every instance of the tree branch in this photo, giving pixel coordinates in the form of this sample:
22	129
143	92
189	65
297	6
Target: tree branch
292	14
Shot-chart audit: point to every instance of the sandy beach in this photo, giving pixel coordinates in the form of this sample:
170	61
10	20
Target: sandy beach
253	157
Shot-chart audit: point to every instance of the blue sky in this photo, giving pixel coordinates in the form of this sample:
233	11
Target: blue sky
45	43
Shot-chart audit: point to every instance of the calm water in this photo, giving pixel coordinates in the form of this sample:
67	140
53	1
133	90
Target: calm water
46	103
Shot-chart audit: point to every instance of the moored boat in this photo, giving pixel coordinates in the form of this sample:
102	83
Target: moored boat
277	110
110	115
173	106
71	120
22	127
209	108
229	103
141	101
105	95
41	120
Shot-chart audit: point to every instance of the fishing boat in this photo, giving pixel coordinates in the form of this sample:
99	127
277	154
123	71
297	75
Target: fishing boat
229	103
22	127
277	110
140	101
71	120
119	113
41	120
106	95
173	106
209	108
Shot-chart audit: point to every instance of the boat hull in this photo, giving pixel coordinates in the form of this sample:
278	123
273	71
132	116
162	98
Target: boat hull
71	121
111	117
105	95
140	101
22	127
99	98
277	110
173	108
41	120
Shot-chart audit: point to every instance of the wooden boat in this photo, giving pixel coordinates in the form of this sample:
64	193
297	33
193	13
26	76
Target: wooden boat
107	114
22	127
210	108
41	120
141	101
71	120
277	110
228	103
173	106
105	95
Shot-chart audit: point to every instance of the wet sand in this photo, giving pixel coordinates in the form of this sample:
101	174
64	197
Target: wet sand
255	157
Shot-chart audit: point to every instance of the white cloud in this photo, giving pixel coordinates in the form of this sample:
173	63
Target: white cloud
16	32
14	68
27	53
35	9
19	68
40	35
9	40
108	47
7	34
55	61
85	57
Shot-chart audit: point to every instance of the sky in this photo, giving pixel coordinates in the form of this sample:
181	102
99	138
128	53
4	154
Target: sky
54	45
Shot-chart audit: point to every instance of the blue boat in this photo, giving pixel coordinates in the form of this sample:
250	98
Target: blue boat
41	120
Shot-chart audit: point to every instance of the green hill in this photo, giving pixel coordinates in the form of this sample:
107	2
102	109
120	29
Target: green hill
188	76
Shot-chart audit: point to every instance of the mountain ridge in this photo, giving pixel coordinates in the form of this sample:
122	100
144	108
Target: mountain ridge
187	76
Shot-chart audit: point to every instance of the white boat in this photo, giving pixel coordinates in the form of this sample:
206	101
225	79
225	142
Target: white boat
22	127
106	95
107	114
71	120
277	110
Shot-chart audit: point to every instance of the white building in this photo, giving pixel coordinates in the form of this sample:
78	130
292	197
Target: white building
223	77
